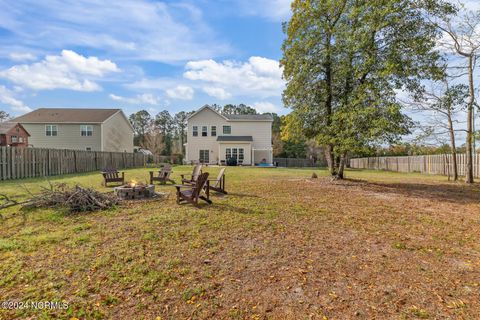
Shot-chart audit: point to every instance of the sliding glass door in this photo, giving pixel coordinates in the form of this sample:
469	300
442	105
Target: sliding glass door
236	153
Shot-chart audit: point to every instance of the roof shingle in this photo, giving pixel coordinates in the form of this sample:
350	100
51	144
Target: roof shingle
234	138
6	126
66	115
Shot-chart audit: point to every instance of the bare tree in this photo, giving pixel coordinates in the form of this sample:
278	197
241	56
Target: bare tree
462	37
4	116
443	103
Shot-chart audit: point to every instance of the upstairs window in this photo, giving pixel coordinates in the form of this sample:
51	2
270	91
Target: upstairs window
227	129
51	130
20	139
195	131
213	131
14	139
204	131
86	130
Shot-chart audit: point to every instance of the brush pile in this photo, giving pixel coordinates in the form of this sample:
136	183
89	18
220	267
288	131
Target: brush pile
75	199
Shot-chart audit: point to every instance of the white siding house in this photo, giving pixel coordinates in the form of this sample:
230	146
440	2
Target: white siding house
79	129
214	137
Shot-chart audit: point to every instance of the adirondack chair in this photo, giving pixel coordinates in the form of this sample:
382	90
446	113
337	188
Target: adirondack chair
193	192
219	183
112	175
163	175
197	171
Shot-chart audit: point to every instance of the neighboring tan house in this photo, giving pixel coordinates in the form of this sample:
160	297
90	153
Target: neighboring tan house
13	134
214	137
79	129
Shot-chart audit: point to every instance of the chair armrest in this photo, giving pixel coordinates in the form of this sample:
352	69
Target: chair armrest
182	186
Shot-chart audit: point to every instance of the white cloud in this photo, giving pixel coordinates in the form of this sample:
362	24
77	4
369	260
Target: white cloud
276	10
260	77
18	56
218	93
266	107
133	29
7	97
66	71
180	92
145	98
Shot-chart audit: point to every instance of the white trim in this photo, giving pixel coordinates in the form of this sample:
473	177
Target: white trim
206	107
250	120
223	131
56	126
86	125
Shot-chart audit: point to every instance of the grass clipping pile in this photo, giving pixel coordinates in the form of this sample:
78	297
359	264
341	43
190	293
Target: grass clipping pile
75	199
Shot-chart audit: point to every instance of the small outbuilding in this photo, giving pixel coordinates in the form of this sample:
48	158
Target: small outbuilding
13	134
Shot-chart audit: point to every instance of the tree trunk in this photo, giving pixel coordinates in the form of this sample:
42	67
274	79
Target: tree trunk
469	169
330	159
341	167
328	103
453	146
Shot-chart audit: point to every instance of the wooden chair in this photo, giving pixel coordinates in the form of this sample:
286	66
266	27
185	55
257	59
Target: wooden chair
194	191
112	175
197	171
163	175
218	184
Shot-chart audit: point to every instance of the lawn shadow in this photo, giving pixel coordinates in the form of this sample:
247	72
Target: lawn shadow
454	192
242	195
228	207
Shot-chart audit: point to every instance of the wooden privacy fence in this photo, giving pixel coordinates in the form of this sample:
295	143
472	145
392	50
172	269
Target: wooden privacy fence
299	163
441	164
18	163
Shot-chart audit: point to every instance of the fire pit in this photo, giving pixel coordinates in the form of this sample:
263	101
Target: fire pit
134	190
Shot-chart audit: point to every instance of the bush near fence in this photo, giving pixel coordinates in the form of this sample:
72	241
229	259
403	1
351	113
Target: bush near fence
18	163
298	163
441	164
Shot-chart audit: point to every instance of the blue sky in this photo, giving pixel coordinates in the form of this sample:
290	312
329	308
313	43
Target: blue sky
140	54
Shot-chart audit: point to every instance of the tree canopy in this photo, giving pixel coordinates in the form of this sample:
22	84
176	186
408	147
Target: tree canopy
345	60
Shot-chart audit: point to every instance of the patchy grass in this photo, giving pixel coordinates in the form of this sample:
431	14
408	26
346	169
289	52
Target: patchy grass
279	246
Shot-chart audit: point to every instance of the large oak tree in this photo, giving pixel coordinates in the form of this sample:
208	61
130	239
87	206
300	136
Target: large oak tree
344	62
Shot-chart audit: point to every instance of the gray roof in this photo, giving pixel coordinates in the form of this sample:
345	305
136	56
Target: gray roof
6	126
258	117
67	115
234	138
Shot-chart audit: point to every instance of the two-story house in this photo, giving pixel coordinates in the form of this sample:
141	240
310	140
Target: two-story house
79	129
13	134
214	138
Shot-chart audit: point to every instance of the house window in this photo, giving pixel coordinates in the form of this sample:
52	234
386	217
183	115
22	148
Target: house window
204	156
195	131
86	130
88	149
51	130
234	153
228	153
213	131
227	129
20	139
14	139
240	154
204	131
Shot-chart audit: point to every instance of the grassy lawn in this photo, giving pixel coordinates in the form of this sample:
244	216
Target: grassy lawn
279	246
